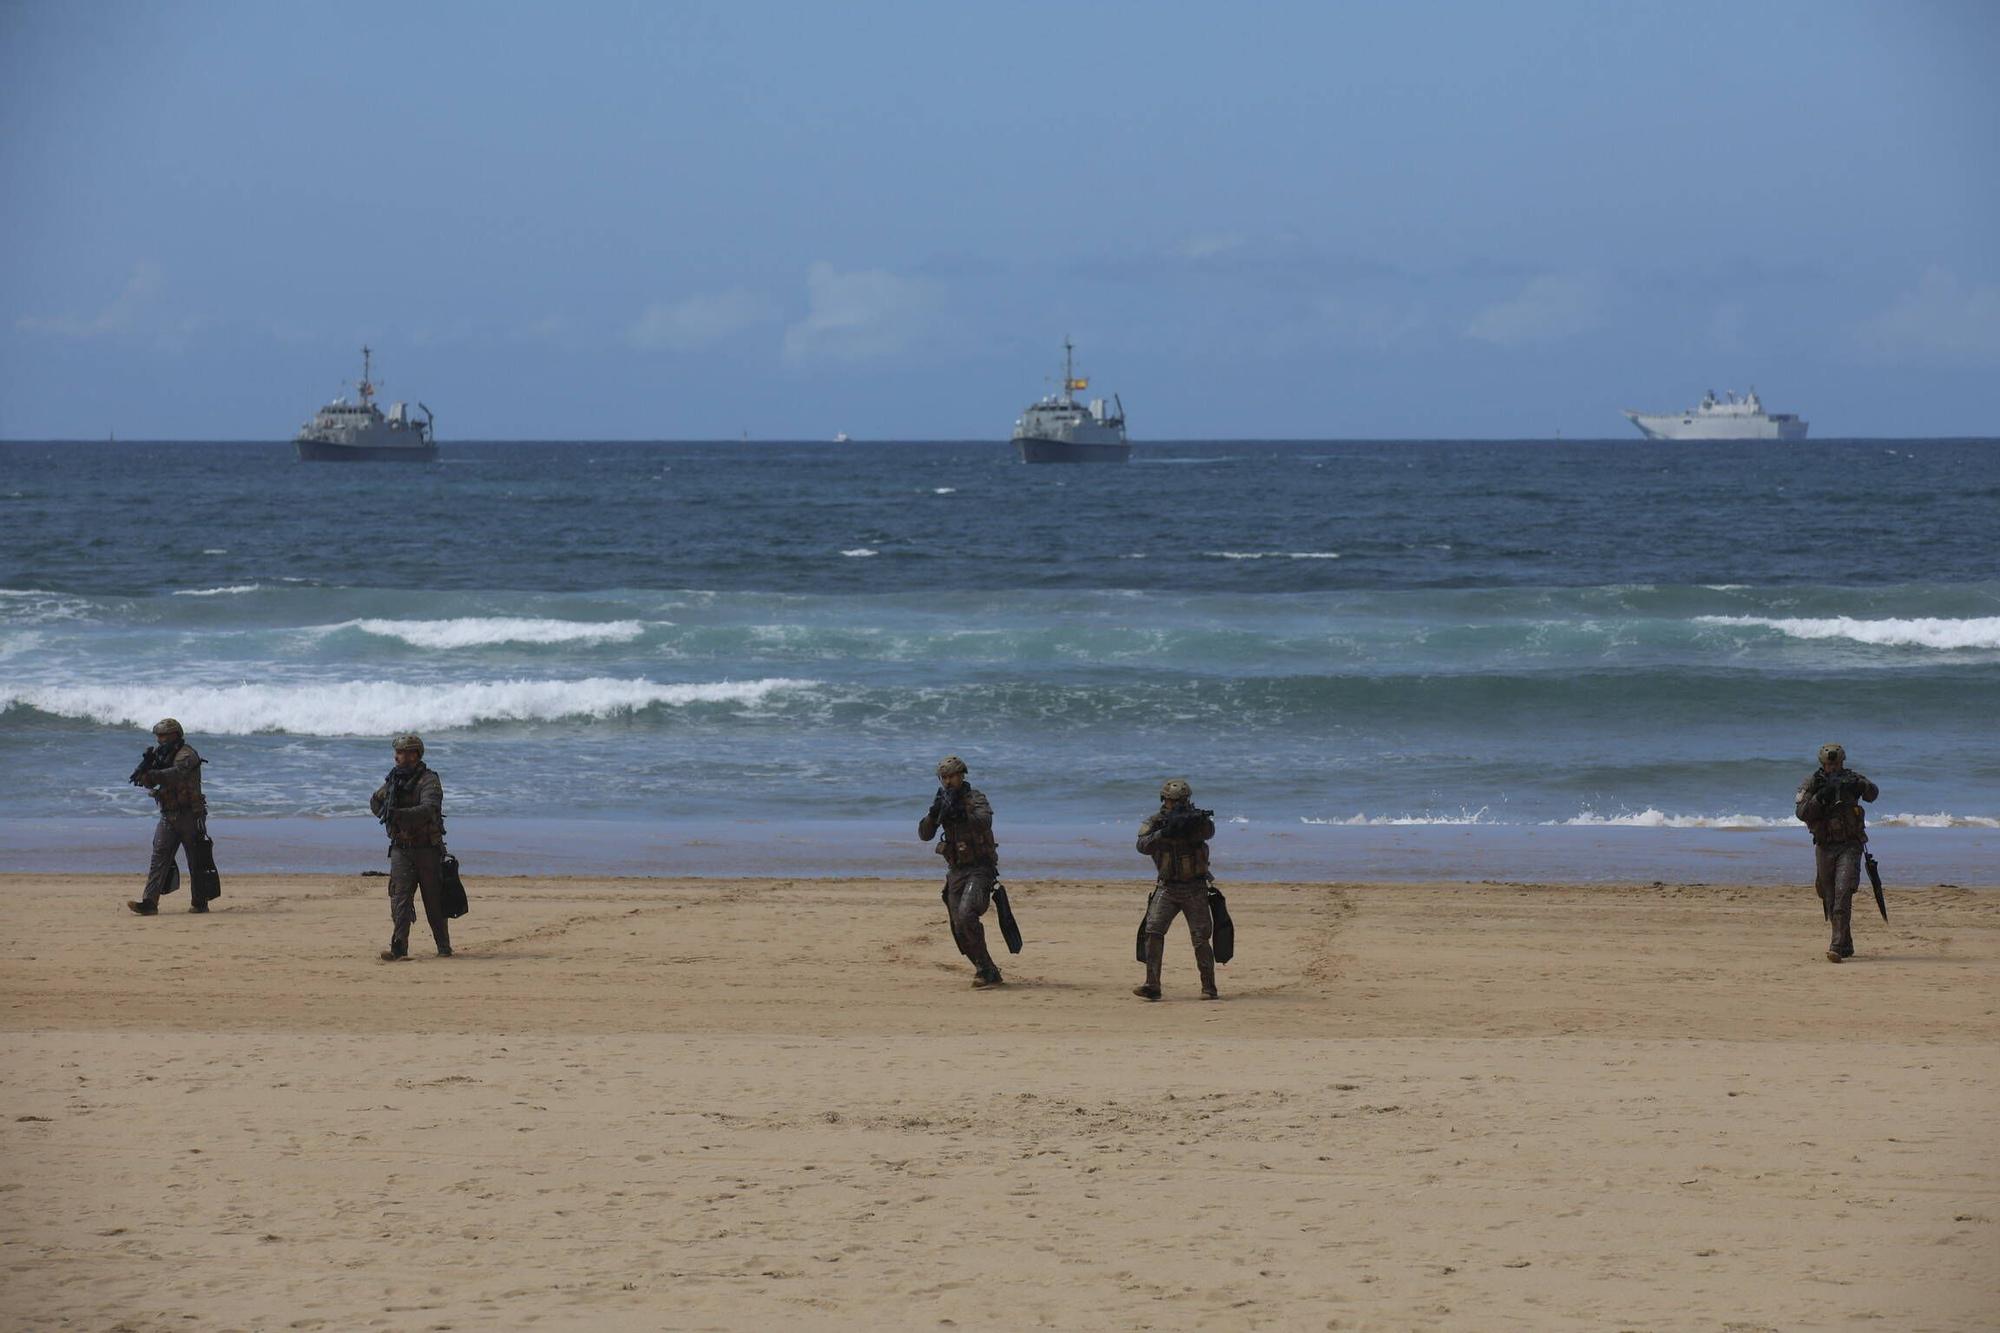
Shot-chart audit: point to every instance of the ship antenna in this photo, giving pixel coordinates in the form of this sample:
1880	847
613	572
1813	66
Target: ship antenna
1069	375
367	381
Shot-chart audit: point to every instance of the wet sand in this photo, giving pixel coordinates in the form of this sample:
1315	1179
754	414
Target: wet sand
739	1104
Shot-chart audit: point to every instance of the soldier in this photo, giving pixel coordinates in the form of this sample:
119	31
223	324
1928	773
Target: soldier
410	804
1176	837
972	862
172	771
1829	801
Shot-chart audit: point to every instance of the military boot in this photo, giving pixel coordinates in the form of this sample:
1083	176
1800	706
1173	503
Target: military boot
1842	945
145	907
1204	959
1156	952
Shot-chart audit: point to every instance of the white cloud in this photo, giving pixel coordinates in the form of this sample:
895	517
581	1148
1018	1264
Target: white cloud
700	321
859	316
118	317
1939	320
1551	307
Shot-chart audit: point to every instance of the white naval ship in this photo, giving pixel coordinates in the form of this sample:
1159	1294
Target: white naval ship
1058	429
342	430
1724	418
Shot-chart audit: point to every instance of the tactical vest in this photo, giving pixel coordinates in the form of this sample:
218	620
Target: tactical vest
1180	860
966	843
422	832
179	788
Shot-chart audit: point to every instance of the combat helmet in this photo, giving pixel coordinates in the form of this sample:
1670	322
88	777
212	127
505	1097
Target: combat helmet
949	765
1837	753
1176	789
166	727
409	740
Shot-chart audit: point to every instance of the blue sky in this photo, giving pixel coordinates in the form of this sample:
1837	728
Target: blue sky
1283	220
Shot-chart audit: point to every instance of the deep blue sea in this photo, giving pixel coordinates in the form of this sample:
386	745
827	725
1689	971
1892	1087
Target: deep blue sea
1481	660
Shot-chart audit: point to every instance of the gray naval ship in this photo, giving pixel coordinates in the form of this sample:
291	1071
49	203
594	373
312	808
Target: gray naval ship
1058	429
341	430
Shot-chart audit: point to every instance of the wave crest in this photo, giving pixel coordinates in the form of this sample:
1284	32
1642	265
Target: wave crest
1918	632
480	631
379	707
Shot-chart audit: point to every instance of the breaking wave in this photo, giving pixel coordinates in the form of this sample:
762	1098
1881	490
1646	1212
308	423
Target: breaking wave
232	590
1921	632
479	631
378	707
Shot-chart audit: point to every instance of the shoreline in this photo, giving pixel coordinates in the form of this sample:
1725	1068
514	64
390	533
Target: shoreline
874	848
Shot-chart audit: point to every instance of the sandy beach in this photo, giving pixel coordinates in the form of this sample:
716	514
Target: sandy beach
757	1103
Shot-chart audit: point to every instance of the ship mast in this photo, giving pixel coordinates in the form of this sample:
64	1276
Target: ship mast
1069	374
367	386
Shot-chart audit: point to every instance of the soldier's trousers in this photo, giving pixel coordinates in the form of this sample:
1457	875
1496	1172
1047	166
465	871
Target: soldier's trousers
968	889
412	869
1839	874
1184	900
177	829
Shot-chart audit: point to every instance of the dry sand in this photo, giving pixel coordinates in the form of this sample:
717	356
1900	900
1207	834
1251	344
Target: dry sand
752	1104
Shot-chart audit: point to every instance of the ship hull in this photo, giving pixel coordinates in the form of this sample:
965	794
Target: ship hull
1074	451
322	451
1665	426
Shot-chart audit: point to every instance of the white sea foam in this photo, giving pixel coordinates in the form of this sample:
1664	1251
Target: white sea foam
1938	820
1919	632
1402	821
230	591
859	553
1651	818
480	631
1274	555
215	550
944	490
379	707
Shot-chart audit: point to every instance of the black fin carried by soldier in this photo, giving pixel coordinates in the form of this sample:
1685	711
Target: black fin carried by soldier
171	770
410	804
1176	838
1829	804
961	820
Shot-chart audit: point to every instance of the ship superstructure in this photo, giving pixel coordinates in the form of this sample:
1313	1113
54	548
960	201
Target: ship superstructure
1059	429
1724	418
343	431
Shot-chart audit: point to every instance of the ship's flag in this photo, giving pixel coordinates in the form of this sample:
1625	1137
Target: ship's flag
1074	385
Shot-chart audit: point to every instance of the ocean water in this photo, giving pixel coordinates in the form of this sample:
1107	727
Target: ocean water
1476	659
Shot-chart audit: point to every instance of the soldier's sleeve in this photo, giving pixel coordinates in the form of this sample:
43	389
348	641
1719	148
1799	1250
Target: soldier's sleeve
978	809
186	766
1806	805
375	801
1147	838
926	828
1207	829
1869	791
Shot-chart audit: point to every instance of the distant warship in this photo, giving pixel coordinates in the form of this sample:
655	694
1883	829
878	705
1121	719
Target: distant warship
1058	429
1725	418
342	430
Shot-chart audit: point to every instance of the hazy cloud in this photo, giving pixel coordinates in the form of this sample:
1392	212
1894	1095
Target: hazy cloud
859	316
1551	307
1939	320
118	317
700	321
1364	322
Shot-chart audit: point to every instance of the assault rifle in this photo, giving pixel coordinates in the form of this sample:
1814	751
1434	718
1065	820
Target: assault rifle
1181	823
147	762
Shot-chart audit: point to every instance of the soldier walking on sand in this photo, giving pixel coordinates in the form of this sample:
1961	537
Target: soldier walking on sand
962	821
1176	837
410	804
1829	801
171	770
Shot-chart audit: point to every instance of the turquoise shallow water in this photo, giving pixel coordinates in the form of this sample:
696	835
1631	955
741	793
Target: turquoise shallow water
1396	636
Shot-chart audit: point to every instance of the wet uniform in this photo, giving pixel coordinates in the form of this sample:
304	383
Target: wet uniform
183	824
416	854
1180	888
972	861
1840	836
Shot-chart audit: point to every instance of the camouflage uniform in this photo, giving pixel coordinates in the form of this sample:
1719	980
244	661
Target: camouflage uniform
416	852
1840	836
1180	888
972	864
183	822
